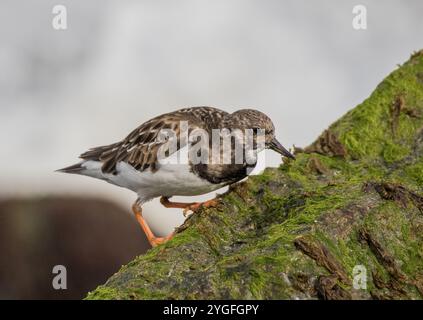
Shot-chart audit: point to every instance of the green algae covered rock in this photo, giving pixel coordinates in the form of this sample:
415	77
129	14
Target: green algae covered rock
343	221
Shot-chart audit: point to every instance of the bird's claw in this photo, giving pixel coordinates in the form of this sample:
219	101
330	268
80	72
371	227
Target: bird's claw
191	209
197	205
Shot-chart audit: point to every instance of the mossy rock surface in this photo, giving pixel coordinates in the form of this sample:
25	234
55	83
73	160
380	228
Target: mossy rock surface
352	198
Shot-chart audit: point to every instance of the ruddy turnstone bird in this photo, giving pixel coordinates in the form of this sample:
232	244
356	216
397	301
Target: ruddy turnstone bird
139	163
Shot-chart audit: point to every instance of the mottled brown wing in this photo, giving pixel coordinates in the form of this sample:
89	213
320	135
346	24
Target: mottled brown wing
140	147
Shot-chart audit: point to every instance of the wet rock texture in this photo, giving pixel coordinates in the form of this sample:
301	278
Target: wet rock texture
353	197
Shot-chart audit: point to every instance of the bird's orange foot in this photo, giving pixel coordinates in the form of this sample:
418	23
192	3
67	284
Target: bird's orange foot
193	207
152	239
155	241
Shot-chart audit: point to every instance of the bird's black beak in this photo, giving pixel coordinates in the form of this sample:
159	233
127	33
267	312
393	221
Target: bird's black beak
275	145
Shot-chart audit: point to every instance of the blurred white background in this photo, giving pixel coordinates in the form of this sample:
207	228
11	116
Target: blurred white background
120	63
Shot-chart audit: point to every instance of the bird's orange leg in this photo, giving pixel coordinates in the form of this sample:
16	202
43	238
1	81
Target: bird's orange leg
170	204
154	241
190	206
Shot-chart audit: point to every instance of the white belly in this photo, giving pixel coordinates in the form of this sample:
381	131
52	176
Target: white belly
168	180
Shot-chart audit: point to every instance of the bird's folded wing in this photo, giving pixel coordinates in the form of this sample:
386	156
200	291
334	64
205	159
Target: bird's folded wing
140	148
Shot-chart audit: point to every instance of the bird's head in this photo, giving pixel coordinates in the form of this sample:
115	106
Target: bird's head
255	120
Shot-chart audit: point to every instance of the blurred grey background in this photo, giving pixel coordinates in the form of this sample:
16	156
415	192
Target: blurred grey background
120	63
